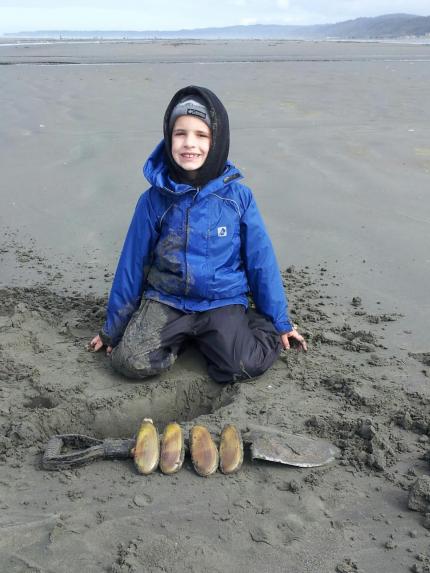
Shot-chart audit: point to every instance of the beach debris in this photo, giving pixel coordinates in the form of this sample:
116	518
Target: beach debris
347	566
204	453
230	450
419	495
172	449
264	442
146	451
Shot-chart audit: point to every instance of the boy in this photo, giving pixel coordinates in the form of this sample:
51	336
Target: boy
195	247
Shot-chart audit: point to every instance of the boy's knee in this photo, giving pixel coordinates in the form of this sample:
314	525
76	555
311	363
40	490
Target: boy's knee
247	365
140	365
247	370
237	372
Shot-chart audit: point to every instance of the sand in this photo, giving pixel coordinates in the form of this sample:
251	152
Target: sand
333	139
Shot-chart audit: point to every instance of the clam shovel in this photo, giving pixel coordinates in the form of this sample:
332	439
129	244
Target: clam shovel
263	442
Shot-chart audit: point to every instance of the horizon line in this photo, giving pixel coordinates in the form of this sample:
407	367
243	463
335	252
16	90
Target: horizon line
214	27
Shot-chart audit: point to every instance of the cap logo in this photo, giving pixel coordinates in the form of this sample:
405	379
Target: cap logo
196	112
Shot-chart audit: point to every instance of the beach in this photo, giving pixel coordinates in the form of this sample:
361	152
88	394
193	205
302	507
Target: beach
333	139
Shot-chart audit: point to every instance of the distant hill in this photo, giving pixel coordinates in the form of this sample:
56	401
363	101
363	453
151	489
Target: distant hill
388	26
379	27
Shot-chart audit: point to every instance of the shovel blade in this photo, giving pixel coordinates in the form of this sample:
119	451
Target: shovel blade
290	449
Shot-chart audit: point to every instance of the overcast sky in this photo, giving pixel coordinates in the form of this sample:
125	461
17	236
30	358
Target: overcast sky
21	15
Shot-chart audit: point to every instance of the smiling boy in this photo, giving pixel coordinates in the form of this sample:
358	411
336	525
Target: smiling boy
195	248
191	140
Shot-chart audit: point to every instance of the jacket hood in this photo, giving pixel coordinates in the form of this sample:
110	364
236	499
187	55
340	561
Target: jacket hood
220	139
156	172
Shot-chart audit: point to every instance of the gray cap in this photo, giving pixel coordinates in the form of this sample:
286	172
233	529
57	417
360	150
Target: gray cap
190	105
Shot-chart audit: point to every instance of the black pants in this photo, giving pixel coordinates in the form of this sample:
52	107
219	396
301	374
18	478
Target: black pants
236	343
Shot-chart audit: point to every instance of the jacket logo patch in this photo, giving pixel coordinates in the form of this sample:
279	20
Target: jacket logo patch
222	231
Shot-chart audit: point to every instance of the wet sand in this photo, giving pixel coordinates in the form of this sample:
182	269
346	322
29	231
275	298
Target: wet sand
333	139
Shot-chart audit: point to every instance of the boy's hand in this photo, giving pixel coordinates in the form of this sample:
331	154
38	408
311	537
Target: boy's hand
96	344
295	336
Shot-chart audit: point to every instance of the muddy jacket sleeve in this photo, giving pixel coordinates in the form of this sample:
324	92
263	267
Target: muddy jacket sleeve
262	269
131	272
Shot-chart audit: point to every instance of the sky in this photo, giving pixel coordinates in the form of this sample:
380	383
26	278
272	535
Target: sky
30	15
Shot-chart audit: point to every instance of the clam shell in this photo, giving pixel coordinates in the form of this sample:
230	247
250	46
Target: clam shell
204	453
147	448
172	449
230	450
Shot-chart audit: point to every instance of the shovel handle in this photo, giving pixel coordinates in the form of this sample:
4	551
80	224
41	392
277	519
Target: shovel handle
86	450
118	449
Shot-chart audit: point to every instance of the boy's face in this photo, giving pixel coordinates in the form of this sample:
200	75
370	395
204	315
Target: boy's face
191	141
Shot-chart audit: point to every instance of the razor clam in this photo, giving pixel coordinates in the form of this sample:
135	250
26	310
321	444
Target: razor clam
230	450
172	449
146	451
204	453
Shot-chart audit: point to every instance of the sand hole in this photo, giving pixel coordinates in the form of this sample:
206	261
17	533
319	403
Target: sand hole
120	416
181	402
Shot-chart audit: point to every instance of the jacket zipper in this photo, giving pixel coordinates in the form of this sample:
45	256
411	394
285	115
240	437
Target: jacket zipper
186	242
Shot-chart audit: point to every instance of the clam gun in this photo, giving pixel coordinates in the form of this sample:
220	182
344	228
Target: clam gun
208	451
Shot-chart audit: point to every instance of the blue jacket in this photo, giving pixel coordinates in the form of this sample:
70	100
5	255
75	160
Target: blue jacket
195	249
